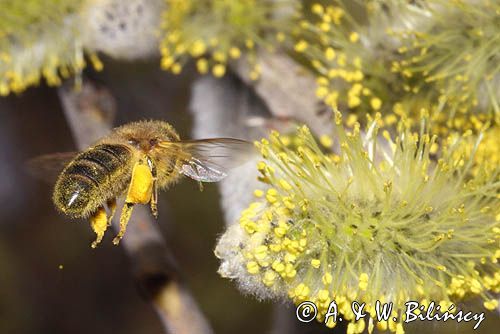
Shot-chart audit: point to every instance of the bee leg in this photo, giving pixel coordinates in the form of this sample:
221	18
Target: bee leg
139	192
99	223
200	185
124	218
154	200
154	194
112	207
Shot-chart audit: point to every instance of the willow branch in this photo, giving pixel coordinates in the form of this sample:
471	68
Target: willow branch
287	90
90	113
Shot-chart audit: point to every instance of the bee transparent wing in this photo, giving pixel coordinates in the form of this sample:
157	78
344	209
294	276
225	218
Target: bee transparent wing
203	172
47	167
210	160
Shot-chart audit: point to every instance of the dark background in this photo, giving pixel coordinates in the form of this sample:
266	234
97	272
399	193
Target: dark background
94	291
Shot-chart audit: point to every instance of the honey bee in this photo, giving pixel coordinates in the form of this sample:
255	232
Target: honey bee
136	160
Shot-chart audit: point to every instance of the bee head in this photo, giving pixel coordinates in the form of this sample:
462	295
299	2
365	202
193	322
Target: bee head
146	135
144	144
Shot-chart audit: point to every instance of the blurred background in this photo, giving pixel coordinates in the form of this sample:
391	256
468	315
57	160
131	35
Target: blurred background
51	281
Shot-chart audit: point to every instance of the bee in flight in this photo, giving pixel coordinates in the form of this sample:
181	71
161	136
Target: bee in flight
135	160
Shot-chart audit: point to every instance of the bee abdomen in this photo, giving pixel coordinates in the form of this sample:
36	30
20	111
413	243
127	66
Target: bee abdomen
89	180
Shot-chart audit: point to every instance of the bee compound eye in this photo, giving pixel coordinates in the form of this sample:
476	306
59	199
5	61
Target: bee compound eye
133	141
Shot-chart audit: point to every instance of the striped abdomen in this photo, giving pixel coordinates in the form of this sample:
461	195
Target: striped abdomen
93	177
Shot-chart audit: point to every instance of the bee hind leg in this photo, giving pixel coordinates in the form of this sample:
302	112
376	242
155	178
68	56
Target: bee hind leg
99	224
124	218
112	208
139	192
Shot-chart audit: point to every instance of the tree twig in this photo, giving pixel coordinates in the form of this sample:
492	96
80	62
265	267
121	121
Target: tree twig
90	113
287	90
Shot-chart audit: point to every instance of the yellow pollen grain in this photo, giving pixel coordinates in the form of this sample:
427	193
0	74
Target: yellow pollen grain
254	75
330	54
289	258
301	46
475	286
290	271
249	44
278	266
269	278
176	68
354	37
326	141
202	66
234	53
321	92
327	278
271	195
96	62
261	166
491	304
317	9
258	193
167	62
198	48
280	232
301	291
219	70
376	103
363	281
285	185
261	252
275	248
253	267
323	295
357	62
315	263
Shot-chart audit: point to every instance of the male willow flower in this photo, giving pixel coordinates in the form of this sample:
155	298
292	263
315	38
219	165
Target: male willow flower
216	31
38	39
329	41
384	219
49	39
454	56
437	55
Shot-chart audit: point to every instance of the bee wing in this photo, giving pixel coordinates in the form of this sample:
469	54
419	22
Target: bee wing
47	167
209	160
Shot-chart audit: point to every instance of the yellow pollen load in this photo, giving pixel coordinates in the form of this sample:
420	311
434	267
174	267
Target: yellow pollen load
99	224
141	185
